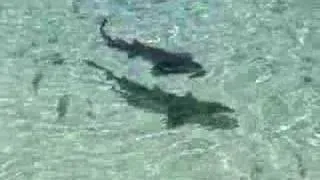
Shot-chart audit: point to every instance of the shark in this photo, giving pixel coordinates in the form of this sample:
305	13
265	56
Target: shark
179	110
164	62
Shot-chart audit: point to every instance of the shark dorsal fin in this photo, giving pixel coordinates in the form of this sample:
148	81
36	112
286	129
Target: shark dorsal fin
189	94
137	43
156	88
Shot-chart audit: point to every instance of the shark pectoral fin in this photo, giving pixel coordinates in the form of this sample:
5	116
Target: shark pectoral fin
174	119
177	115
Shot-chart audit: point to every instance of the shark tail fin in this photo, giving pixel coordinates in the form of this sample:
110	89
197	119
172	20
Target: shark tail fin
104	35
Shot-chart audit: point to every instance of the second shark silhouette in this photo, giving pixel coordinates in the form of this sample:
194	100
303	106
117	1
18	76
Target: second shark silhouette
178	109
164	62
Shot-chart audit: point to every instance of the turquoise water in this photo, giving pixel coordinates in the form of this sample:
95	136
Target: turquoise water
261	57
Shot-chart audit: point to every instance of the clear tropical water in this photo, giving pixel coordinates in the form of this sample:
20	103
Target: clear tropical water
262	57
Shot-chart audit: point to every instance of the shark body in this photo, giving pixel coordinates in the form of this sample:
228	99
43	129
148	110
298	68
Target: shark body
177	108
164	62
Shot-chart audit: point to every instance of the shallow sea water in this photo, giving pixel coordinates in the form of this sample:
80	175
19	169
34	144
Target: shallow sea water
262	59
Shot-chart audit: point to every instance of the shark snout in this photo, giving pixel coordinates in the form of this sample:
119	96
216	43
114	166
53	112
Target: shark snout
196	66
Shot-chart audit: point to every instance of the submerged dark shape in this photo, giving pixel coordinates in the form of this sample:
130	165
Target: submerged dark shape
62	105
164	62
179	109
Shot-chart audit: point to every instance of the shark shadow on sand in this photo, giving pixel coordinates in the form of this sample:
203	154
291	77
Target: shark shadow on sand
179	109
164	62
